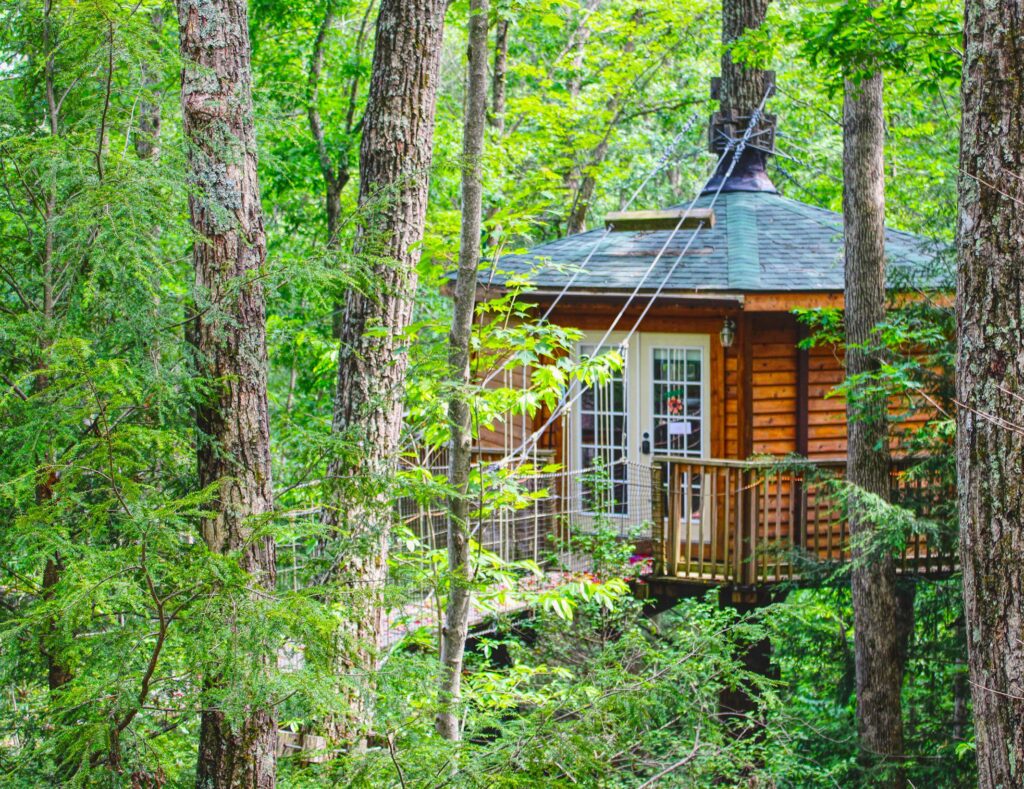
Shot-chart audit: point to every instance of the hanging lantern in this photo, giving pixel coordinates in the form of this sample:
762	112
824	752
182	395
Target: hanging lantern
728	333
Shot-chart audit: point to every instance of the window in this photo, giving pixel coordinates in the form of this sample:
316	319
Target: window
678	396
602	441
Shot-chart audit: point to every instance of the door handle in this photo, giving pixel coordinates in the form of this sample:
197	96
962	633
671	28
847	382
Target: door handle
645	445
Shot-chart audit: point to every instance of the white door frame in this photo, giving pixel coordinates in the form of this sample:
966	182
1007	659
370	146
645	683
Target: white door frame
639	389
631	390
649	342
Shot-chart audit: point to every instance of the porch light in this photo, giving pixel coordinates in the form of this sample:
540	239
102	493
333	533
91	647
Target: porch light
728	333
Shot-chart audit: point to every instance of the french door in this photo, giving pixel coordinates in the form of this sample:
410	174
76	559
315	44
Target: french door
674	411
675	397
657	406
604	425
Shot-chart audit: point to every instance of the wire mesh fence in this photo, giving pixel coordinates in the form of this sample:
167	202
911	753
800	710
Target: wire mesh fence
552	511
552	508
538	520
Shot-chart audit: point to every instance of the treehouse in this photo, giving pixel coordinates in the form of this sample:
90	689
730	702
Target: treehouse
699	299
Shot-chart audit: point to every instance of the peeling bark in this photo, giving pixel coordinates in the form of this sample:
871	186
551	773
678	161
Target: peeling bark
990	382
230	335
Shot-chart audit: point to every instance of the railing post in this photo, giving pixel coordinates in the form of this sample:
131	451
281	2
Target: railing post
740	530
674	484
749	572
798	519
658	516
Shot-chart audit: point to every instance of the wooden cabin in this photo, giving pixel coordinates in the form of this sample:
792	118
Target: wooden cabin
714	377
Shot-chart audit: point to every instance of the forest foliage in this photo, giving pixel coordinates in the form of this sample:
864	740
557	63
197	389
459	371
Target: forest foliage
104	575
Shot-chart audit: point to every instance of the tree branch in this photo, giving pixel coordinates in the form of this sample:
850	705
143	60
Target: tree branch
101	135
316	65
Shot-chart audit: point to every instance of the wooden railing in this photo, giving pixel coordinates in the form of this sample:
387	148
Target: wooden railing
754	523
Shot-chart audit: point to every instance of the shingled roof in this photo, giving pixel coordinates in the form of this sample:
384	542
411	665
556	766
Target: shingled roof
761	241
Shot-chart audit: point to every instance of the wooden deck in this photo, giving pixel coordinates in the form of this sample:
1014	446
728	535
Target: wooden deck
751	527
748	524
422	613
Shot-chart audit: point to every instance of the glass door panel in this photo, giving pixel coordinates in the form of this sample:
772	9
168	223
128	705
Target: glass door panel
675	400
656	406
677	405
603	444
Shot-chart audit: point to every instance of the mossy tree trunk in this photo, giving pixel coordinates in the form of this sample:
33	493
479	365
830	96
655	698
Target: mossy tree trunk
394	169
880	630
990	382
230	336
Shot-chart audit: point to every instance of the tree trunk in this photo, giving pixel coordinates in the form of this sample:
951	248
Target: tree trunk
456	625
58	672
500	76
234	445
879	641
742	87
394	166
574	84
582	35
576	222
335	177
740	93
961	707
990	382
147	136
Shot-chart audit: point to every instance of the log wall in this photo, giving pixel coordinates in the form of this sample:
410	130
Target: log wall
768	396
